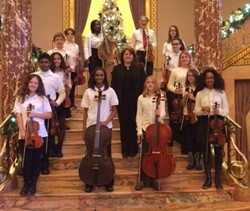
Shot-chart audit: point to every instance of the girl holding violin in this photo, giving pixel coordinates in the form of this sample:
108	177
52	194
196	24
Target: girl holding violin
146	111
58	67
190	121
176	85
210	105
98	82
32	95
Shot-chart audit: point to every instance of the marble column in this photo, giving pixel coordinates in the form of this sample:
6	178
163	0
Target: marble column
208	43
15	50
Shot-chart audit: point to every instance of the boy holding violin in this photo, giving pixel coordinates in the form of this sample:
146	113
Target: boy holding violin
32	108
210	105
54	86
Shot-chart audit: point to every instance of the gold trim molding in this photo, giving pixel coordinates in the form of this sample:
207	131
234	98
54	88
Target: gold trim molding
239	58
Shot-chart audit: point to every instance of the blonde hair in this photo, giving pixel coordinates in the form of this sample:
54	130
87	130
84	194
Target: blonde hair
156	88
191	62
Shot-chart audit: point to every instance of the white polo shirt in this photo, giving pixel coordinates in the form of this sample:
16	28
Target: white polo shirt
90	101
53	84
41	105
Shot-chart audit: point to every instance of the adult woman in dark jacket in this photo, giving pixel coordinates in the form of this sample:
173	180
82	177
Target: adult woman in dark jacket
127	81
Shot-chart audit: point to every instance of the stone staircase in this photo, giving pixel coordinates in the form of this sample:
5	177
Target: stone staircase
63	190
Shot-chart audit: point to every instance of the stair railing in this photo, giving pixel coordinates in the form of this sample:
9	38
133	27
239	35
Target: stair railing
236	164
9	159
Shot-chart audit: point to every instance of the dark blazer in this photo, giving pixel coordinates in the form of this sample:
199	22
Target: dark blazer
118	80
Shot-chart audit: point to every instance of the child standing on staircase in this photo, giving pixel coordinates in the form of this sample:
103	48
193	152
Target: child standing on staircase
146	111
98	83
32	95
210	105
58	67
189	122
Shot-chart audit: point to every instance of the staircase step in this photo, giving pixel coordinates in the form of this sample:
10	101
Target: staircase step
177	194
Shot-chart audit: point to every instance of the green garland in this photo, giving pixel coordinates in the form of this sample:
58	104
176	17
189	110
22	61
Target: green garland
236	19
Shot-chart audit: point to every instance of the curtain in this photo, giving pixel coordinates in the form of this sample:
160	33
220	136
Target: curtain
137	8
81	14
242	107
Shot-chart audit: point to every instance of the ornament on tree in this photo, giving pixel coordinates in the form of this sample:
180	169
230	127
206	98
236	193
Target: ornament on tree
113	23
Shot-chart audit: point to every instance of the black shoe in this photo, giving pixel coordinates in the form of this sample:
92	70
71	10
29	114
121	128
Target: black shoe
24	190
66	127
32	190
59	154
155	185
133	154
45	171
139	186
73	107
109	188
88	188
125	155
52	154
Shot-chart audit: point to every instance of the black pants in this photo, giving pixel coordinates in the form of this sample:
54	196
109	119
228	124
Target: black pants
149	66
94	60
190	137
127	115
72	91
32	163
46	149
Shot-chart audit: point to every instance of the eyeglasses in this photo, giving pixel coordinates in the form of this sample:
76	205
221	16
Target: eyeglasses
190	75
175	43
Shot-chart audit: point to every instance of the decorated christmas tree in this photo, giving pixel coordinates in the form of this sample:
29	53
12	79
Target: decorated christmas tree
112	23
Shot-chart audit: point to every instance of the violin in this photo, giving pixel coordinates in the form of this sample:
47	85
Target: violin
97	167
33	140
150	55
54	123
158	162
67	101
165	75
190	108
79	79
216	125
176	115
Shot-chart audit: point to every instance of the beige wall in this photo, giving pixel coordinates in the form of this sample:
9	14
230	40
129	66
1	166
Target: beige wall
46	21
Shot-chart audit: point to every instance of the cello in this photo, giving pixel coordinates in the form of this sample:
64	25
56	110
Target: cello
97	167
216	125
33	140
158	162
108	52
